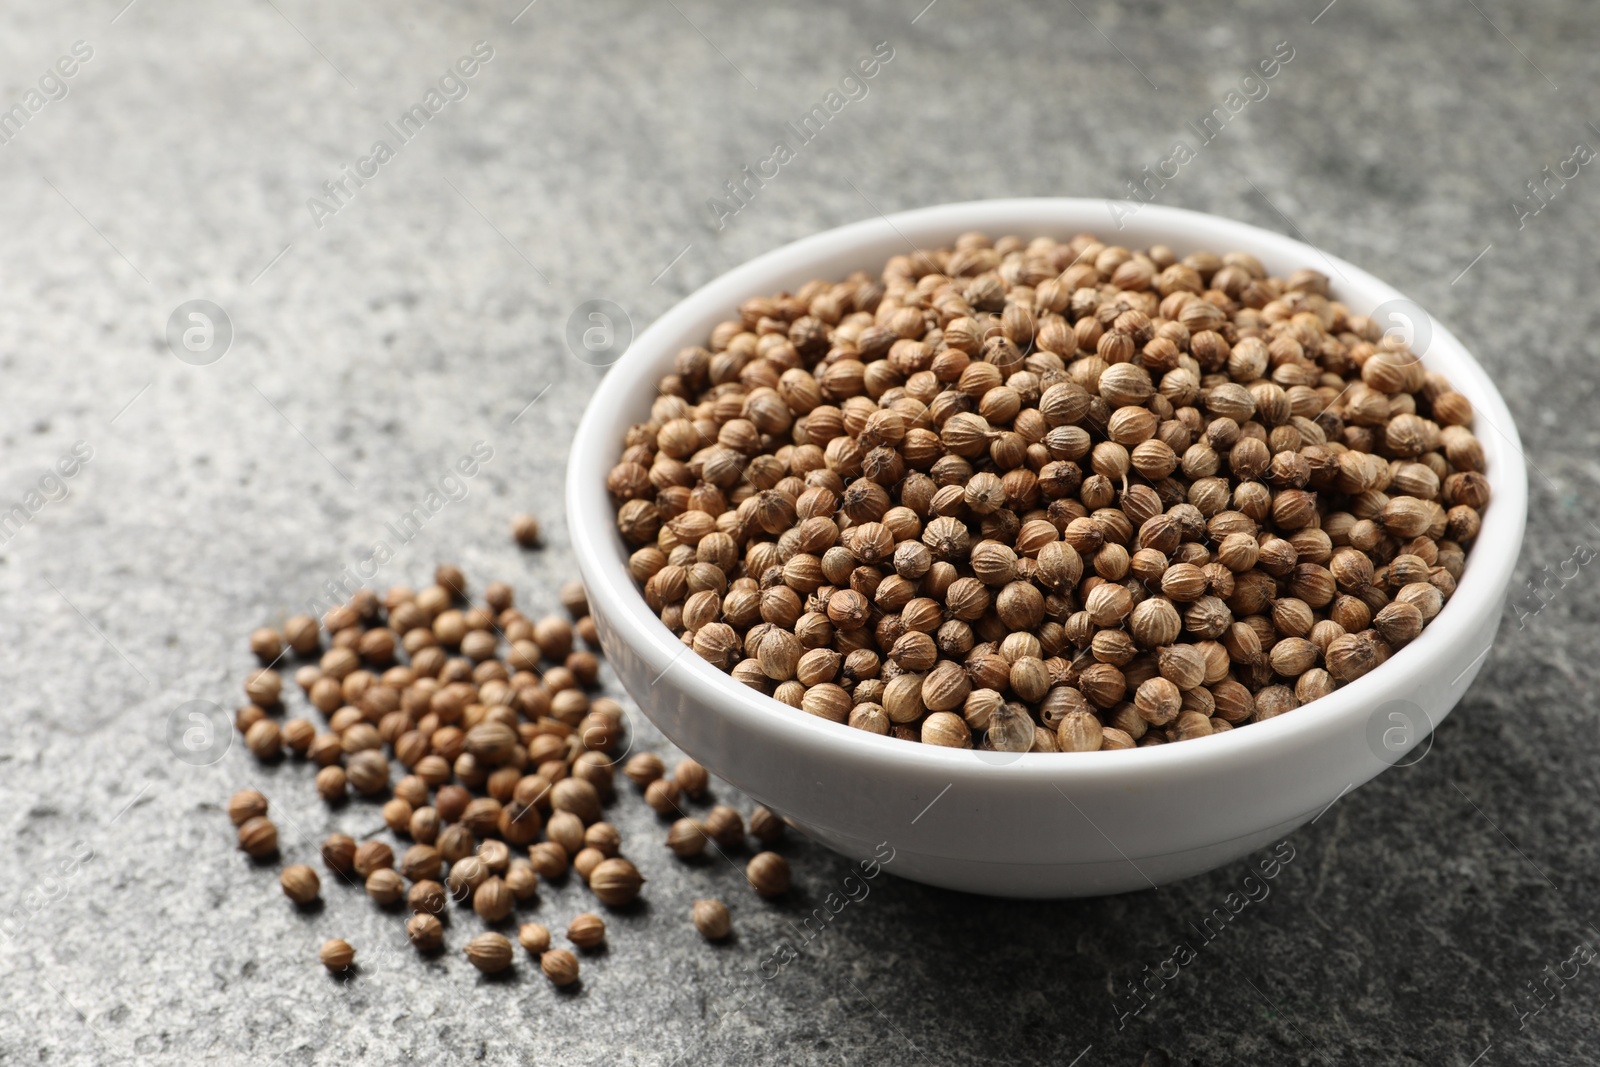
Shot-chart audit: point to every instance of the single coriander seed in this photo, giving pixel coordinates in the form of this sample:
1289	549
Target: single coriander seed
337	955
560	966
490	953
768	874
300	883
711	919
587	930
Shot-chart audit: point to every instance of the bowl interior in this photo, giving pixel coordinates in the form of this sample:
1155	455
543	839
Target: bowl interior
624	397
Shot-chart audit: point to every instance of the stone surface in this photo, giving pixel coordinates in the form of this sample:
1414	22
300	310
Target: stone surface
428	313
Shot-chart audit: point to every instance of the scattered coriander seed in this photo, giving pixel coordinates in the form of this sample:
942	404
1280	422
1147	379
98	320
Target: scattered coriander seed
466	876
604	838
495	855
397	815
725	826
522	880
587	930
302	633
768	874
525	531
245	805
298	735
266	644
691	778
575	599
420	863
385	886
258	837
766	826
560	966
489	952
687	837
427	896
644	768
372	856
337	955
566	829
533	937
586	861
615	882
300	883
425	931
663	796
339	853
549	859
711	919
493	900
265	740
576	796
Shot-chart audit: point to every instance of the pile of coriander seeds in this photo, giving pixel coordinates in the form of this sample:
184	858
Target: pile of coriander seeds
1050	496
505	763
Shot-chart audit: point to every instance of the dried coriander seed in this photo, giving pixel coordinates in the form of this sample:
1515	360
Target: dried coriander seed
587	930
533	937
489	952
492	900
711	919
300	883
245	805
692	778
425	932
687	837
560	966
372	856
337	955
385	886
615	882
525	531
258	837
725	826
765	826
644	768
768	874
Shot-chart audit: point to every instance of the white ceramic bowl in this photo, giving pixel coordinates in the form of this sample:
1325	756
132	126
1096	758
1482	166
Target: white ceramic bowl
1034	825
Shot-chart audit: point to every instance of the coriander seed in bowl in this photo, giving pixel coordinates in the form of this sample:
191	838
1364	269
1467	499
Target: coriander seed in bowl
1129	536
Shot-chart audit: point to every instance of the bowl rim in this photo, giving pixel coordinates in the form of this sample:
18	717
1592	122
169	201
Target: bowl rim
602	556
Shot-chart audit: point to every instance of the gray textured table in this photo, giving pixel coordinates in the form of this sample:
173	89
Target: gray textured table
377	336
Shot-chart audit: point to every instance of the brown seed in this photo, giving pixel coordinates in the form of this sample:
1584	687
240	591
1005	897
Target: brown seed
339	853
615	882
534	938
489	952
711	919
258	837
372	856
385	886
691	778
765	826
245	805
576	796
687	837
427	896
587	930
300	883
560	966
768	874
525	531
549	859
425	931
725	826
336	955
644	768
492	900
663	795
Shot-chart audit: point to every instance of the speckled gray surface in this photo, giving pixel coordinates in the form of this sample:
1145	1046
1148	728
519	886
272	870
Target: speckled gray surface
428	311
